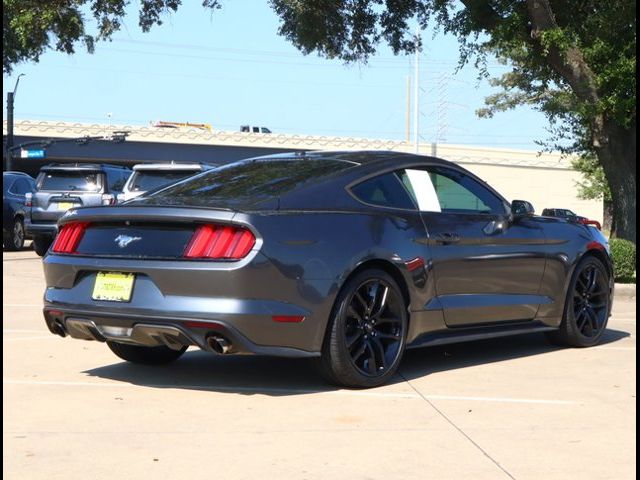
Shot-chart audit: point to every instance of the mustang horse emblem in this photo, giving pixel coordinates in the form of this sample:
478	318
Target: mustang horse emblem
124	240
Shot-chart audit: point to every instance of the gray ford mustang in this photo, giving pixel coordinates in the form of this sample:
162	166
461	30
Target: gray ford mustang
349	257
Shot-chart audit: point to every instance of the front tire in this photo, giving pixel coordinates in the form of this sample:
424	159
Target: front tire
587	306
367	332
145	355
14	240
41	245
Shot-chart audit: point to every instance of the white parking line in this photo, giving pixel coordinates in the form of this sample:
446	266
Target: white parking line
48	337
10	330
27	305
614	348
258	390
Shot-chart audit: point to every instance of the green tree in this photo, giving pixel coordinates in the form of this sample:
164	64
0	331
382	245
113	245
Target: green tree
574	60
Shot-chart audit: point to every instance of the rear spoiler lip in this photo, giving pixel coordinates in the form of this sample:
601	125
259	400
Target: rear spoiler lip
139	213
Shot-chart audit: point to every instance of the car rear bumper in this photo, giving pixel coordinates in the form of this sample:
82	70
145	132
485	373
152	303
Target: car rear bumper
42	229
169	331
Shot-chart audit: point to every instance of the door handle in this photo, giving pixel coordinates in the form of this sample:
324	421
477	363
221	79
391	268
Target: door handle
447	238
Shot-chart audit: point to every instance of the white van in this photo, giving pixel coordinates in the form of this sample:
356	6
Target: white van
149	176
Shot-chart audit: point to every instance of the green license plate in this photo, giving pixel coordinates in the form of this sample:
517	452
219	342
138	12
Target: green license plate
113	286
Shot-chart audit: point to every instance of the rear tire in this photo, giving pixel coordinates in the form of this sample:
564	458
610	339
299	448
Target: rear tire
41	245
146	355
14	240
367	331
586	310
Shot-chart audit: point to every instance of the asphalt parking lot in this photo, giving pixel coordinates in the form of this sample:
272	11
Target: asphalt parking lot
507	408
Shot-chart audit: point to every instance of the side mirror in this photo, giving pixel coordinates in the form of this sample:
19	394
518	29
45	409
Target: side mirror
521	208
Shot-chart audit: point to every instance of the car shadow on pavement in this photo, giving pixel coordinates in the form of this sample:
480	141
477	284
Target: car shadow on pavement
255	375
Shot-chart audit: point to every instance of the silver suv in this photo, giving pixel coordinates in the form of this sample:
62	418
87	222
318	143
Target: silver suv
60	187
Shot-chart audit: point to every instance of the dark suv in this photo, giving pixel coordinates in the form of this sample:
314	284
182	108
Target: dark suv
60	187
15	186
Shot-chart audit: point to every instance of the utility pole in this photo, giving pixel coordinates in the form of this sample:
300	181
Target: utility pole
10	98
408	116
416	93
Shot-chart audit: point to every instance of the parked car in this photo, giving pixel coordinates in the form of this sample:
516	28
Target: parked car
252	129
569	215
349	258
15	185
60	187
149	176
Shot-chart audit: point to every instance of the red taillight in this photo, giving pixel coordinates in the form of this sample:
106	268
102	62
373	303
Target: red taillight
220	242
28	199
69	237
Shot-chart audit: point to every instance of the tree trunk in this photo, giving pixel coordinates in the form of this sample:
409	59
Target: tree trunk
617	155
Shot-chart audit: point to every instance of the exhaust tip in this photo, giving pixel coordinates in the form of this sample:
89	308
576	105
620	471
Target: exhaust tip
218	344
59	329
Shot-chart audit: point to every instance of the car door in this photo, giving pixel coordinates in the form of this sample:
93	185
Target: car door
486	268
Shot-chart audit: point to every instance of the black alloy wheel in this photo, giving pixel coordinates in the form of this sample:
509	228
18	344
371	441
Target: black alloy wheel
590	301
366	335
587	306
373	327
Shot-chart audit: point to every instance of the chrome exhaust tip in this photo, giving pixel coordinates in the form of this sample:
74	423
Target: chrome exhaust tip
218	344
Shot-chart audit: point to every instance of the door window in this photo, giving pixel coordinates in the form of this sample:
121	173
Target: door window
441	189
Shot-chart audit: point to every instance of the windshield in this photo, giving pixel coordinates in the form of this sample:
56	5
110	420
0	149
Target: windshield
143	181
567	213
71	181
245	183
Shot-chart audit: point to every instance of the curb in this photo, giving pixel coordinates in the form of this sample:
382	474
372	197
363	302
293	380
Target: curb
625	290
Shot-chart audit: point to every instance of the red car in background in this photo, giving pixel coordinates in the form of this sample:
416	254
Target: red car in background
569	215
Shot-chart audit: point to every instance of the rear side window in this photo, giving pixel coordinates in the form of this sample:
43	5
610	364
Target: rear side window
145	180
21	186
71	181
385	191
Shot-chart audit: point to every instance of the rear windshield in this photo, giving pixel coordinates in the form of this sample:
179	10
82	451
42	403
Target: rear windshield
143	181
246	183
71	181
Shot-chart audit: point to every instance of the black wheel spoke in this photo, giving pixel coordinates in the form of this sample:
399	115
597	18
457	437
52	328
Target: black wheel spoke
581	319
359	351
384	320
371	359
351	341
593	319
361	301
389	336
379	352
351	312
381	304
592	280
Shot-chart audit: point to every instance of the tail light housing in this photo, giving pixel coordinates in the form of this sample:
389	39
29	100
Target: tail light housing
28	199
69	237
220	242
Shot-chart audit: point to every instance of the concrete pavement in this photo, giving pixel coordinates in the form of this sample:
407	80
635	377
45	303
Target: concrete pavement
507	408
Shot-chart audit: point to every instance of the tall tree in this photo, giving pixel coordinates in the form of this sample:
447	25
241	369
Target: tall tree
572	59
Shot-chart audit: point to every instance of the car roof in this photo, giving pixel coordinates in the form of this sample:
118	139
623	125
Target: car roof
80	167
377	158
171	166
21	174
